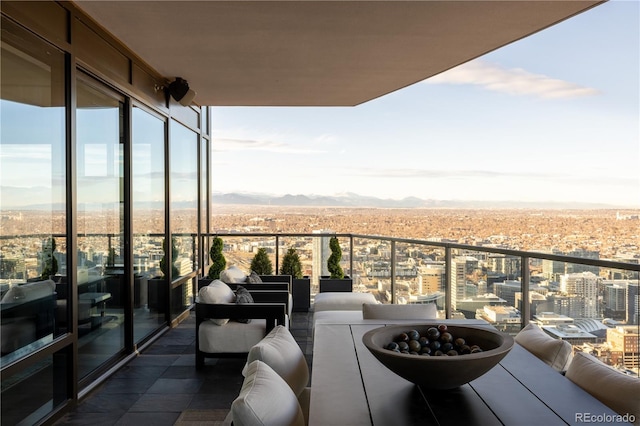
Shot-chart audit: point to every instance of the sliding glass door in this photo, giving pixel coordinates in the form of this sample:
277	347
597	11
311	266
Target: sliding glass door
100	257
150	284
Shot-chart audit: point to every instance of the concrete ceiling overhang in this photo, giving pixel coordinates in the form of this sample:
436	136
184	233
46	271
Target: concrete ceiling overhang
317	53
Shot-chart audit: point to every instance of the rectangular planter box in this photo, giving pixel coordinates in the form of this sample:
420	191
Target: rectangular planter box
301	294
336	284
158	292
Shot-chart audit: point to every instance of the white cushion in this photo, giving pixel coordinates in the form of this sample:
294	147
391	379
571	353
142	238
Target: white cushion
616	390
30	291
341	301
233	337
554	352
265	399
233	275
217	292
412	311
282	353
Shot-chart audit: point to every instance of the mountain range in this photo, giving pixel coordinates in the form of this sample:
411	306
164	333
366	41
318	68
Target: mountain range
355	200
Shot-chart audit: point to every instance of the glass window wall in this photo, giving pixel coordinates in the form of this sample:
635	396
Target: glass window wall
184	214
100	270
32	195
148	221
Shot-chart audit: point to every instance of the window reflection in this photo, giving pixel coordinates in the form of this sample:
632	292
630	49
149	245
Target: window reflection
184	208
148	222
100	271
32	196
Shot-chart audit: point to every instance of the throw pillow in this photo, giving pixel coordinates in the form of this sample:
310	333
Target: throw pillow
233	275
281	352
265	399
242	297
554	352
613	388
217	292
254	278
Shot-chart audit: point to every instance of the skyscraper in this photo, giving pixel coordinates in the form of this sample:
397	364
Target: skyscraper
320	256
614	300
632	300
584	288
458	279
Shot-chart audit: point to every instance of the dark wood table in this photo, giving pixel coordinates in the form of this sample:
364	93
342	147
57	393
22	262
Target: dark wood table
351	387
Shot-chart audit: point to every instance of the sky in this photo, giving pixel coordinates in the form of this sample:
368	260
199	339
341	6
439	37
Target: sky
552	117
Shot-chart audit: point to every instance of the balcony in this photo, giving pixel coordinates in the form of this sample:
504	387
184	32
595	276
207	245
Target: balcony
577	299
145	390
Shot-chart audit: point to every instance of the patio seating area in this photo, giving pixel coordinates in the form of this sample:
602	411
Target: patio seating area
163	387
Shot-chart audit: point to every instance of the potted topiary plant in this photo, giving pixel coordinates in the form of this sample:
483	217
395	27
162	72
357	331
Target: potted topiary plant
261	264
301	290
217	265
337	281
218	262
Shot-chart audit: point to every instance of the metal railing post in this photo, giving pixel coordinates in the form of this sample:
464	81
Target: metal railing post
277	254
448	284
351	256
526	303
393	272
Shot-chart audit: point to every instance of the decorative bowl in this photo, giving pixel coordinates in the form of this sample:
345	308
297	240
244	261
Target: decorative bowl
440	372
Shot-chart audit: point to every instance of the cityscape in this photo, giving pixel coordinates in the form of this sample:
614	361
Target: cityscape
594	308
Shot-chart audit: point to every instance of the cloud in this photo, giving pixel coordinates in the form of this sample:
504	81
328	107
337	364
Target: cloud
513	81
421	173
325	139
474	174
233	144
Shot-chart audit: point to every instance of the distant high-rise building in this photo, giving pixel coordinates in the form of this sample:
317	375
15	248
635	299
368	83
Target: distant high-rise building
433	279
458	279
535	300
321	253
494	277
552	269
574	268
507	290
625	350
507	265
583	288
632	300
482	287
614	300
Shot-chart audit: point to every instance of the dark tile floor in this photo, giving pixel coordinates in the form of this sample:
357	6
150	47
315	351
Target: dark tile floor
162	386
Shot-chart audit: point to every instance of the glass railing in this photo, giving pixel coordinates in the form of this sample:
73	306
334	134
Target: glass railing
591	303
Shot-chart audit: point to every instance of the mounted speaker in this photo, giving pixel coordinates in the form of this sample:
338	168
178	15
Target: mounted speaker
180	91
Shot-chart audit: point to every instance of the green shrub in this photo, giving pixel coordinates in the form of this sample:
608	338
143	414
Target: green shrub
218	262
291	264
333	264
261	264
